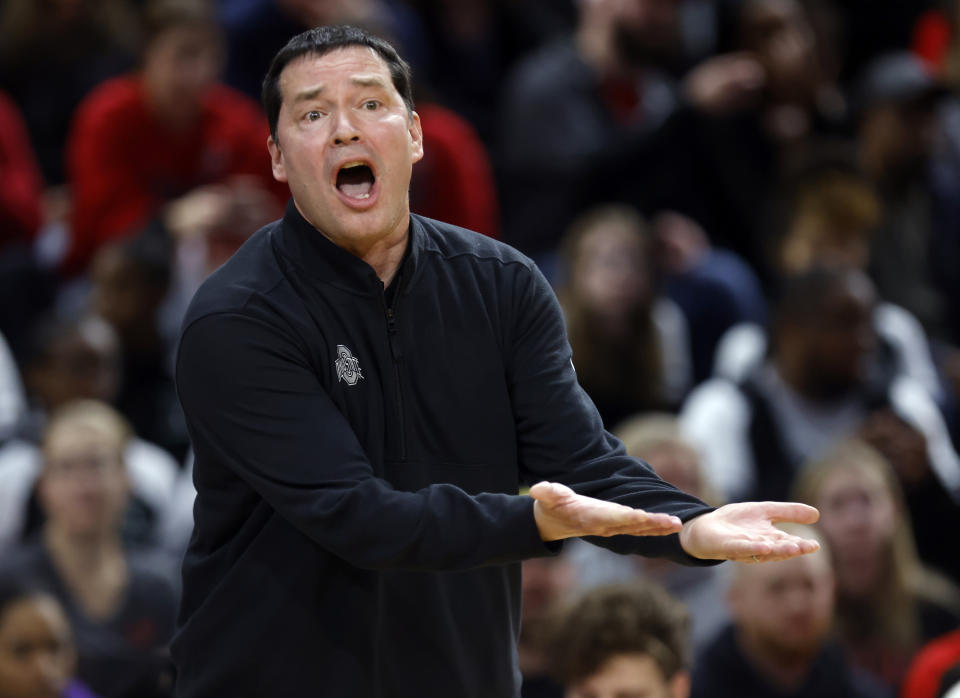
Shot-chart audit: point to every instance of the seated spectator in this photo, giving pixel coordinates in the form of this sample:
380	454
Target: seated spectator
71	360
20	182
820	382
888	604
630	344
130	283
154	147
571	106
929	668
622	641
121	603
915	249
656	439
714	288
779	644
37	652
828	222
74	46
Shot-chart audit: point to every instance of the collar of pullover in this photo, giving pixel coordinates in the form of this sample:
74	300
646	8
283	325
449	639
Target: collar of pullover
322	259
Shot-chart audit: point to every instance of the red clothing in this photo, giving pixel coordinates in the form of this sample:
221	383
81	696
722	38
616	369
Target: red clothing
454	181
932	35
124	164
929	666
20	182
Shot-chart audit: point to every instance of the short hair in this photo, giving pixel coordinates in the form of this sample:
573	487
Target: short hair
636	618
321	41
92	415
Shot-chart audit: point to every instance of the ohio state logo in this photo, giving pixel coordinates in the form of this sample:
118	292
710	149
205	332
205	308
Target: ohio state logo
348	368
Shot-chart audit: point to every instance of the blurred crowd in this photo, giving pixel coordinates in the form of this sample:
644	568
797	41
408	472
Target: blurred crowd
750	210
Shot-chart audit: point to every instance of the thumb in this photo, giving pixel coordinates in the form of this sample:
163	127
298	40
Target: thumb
550	494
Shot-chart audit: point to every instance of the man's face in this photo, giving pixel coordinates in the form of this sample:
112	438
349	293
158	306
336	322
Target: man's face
645	32
346	145
180	65
785	607
630	676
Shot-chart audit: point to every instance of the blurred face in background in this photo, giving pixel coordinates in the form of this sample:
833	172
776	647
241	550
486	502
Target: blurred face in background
784	609
779	35
84	487
837	344
179	65
610	273
857	516
37	656
84	363
676	463
899	138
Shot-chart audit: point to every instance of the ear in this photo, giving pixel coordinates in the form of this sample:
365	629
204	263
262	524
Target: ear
276	160
416	137
680	685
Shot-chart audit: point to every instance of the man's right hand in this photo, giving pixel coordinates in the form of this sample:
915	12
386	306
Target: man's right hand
562	513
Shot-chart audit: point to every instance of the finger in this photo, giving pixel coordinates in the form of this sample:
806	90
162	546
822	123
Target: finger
610	519
791	512
656	525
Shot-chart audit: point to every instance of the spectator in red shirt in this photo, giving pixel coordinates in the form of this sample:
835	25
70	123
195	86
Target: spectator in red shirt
150	139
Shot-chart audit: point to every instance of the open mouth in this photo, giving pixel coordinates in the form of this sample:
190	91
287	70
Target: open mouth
355	180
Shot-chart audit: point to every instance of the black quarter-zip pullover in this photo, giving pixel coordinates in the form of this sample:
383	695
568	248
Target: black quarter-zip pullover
358	529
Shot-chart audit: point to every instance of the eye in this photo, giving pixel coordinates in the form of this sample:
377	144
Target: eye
312	115
371	105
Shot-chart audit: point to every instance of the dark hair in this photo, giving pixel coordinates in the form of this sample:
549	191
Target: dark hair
638	618
323	40
15	587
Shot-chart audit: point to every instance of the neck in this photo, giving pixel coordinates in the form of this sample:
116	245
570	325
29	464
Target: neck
786	670
81	553
384	253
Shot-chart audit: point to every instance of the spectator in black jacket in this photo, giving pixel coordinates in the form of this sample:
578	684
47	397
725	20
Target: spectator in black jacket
366	390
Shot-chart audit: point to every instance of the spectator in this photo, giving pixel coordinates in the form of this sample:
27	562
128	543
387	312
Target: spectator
915	249
779	642
829	218
37	652
164	145
656	439
715	288
120	603
70	360
888	604
623	641
821	381
130	282
759	114
74	45
630	344
574	104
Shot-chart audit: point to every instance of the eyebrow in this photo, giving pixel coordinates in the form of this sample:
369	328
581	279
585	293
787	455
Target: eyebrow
372	81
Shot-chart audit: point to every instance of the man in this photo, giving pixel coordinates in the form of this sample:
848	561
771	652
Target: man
778	644
623	641
366	390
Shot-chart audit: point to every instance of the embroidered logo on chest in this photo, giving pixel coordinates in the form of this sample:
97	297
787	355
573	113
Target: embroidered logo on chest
348	368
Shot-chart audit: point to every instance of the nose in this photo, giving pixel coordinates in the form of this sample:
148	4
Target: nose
344	130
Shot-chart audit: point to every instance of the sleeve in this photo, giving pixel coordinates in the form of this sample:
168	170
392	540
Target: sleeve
20	180
559	431
254	406
110	198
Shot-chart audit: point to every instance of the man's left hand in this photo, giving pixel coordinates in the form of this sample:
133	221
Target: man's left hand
745	532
